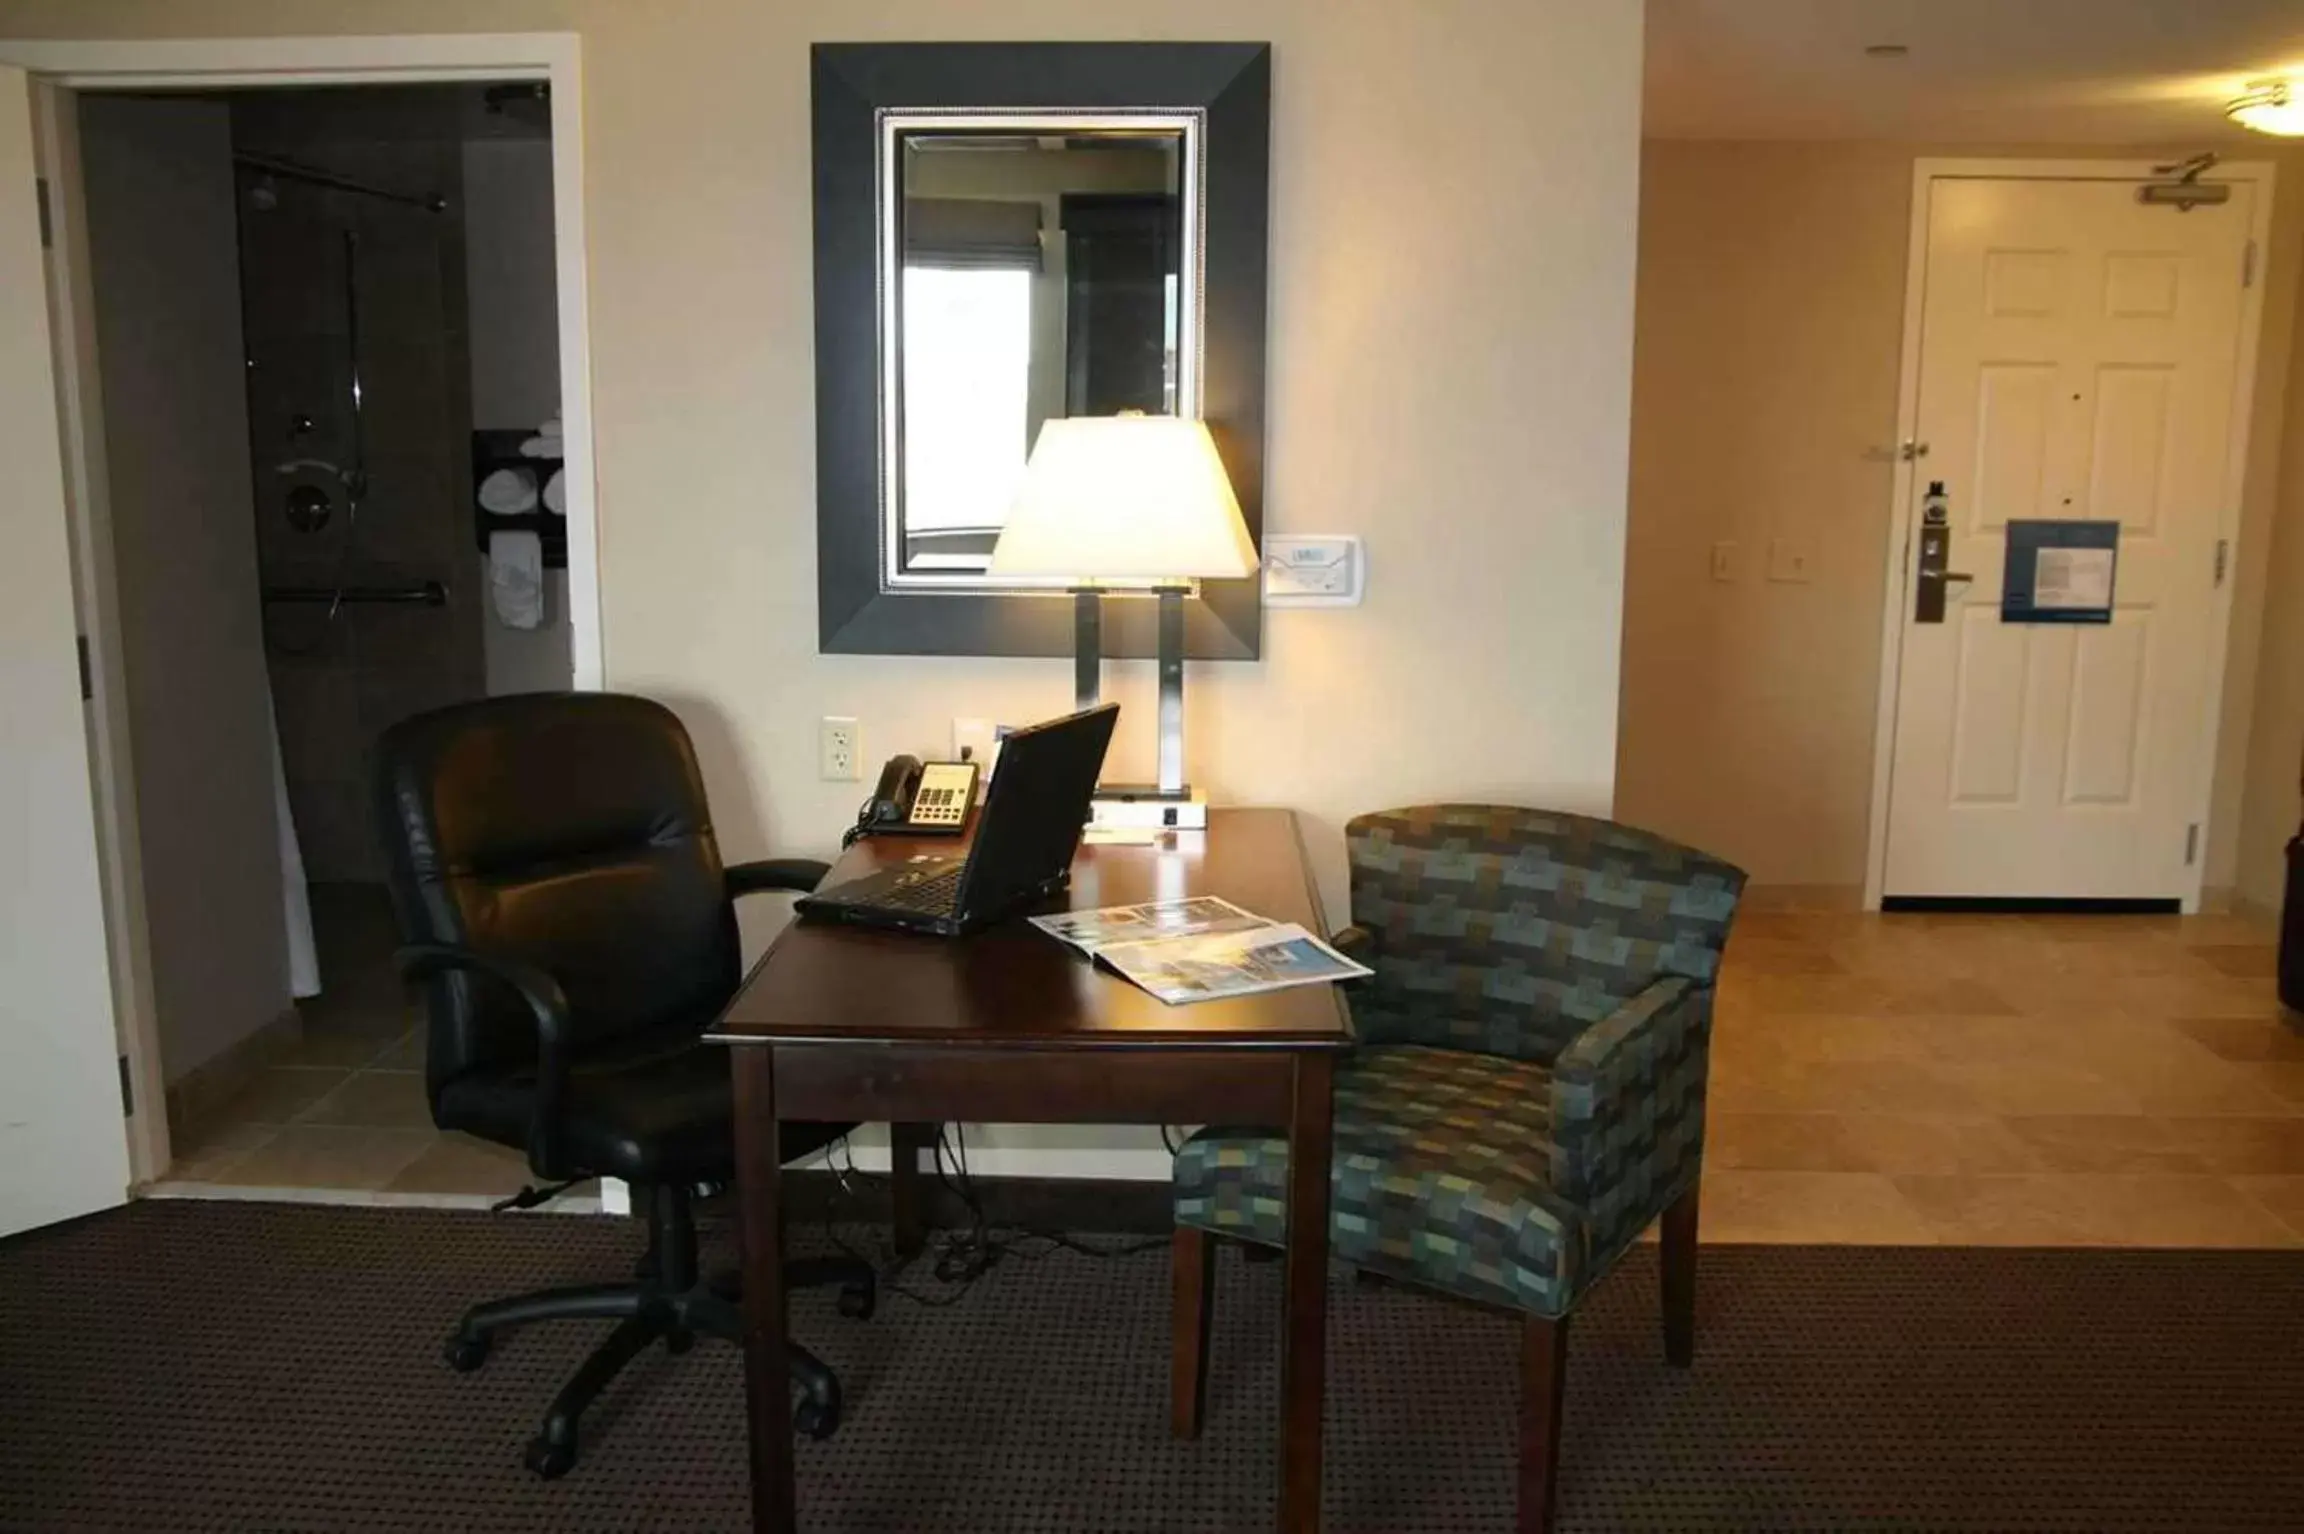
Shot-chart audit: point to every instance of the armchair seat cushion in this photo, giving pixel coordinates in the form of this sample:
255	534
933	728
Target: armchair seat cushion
1442	1175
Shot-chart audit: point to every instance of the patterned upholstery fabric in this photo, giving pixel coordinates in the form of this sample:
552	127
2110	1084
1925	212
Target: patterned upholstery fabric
1510	931
1530	1090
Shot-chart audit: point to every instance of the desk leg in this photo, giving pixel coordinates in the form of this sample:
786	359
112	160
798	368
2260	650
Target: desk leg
905	1143
760	1219
1304	1354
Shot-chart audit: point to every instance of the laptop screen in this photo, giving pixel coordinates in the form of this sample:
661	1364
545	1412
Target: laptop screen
1036	808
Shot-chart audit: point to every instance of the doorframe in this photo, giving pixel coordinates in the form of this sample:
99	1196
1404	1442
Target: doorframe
2263	177
237	63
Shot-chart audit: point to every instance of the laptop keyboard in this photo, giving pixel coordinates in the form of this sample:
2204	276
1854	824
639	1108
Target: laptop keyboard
931	894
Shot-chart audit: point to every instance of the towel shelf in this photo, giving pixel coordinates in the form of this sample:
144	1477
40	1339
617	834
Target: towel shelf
422	594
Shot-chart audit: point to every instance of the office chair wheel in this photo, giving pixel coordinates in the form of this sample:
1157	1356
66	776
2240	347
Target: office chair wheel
465	1354
817	1418
858	1301
549	1459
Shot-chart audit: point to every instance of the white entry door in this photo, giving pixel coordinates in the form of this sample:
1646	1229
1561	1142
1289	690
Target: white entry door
63	1147
2079	359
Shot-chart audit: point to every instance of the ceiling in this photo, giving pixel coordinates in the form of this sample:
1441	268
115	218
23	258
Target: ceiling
1979	71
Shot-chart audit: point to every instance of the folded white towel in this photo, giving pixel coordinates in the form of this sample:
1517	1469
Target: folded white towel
547	443
509	492
516	579
556	493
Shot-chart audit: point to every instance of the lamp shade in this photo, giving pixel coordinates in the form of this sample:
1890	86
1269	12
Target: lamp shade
1130	498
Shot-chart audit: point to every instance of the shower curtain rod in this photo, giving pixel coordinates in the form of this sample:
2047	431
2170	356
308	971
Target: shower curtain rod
290	170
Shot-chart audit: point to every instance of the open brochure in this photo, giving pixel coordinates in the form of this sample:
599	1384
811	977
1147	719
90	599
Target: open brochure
1200	949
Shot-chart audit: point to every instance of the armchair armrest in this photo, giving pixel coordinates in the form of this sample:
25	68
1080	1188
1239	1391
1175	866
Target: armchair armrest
799	875
1628	1109
547	1004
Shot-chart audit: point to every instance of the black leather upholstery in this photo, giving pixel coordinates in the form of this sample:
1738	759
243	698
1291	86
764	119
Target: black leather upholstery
569	833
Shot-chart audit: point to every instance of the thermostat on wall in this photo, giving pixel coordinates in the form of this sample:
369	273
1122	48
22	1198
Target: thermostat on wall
1307	571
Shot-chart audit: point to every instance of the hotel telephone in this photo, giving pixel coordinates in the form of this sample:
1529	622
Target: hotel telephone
918	799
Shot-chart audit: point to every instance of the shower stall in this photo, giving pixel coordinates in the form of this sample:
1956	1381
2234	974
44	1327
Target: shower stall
353	303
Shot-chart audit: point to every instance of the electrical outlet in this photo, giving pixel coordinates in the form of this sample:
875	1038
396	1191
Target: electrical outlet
1727	562
1788	560
972	740
836	750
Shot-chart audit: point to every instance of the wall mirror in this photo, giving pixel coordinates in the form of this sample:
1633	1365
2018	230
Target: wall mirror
1005	235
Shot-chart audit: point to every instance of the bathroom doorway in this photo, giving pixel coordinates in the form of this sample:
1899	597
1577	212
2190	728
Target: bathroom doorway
328	329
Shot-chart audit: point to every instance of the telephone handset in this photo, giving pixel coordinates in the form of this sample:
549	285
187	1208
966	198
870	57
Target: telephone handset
917	799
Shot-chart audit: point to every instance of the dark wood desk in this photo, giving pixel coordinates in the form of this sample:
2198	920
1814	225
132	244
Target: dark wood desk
1011	1026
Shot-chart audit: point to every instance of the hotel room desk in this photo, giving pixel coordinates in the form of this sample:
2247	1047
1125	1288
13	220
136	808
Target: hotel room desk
1012	1026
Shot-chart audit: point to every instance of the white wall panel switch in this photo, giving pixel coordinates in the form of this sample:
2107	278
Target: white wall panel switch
1306	571
1788	560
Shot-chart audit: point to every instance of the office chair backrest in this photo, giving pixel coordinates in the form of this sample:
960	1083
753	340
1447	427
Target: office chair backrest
568	830
1508	931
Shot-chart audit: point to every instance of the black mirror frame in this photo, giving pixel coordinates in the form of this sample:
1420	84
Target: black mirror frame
852	83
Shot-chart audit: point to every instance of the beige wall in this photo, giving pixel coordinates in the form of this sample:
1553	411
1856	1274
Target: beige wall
165	255
1769	331
2275	754
1450	370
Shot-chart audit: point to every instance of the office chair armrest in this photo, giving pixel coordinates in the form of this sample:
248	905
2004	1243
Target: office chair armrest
1628	1109
548	1004
799	875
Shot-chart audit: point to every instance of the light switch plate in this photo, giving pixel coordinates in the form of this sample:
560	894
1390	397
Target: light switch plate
1788	560
1302	570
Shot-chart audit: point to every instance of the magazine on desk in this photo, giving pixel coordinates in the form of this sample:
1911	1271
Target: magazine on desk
1200	949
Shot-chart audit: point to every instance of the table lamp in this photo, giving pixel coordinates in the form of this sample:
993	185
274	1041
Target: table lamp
1129	502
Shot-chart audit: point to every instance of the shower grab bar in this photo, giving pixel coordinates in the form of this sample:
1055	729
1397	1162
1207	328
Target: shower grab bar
313	175
422	594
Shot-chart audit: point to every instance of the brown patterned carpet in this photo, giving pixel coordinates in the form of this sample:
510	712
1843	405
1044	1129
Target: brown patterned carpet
208	1366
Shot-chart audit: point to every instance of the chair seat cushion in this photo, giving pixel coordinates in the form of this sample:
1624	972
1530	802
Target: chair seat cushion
1441	1175
653	1108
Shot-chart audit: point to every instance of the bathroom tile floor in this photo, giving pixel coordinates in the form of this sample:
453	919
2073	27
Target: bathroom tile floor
342	1113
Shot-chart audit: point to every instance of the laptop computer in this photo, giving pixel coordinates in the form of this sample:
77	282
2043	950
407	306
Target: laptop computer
1025	840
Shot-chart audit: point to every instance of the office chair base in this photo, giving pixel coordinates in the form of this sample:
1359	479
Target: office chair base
665	1304
674	1320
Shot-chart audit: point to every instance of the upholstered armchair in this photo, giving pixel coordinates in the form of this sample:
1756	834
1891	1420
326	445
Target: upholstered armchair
1527	1095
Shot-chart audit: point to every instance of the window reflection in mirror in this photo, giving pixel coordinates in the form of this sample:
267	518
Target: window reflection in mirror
1042	275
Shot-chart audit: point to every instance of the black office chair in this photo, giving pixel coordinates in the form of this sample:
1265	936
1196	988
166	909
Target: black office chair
554	871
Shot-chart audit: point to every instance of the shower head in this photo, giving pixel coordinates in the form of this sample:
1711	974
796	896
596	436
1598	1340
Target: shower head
528	102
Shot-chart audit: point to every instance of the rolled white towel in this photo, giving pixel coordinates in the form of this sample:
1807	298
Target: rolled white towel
556	493
547	443
508	492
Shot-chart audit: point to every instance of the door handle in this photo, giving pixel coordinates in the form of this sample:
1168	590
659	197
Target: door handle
1935	554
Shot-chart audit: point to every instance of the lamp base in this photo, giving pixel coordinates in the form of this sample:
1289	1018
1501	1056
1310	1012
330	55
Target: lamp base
1142	806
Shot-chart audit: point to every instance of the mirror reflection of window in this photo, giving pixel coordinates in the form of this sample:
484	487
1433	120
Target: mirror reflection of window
1041	277
967	378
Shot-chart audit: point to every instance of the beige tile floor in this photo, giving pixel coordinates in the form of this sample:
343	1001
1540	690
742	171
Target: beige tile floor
1875	1079
343	1112
1971	1080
